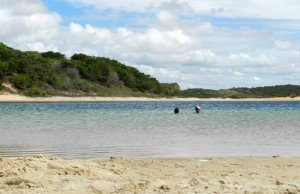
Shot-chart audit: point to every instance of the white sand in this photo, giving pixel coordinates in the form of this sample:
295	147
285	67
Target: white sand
47	174
19	98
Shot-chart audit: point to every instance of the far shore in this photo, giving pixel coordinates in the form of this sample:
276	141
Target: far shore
19	98
48	174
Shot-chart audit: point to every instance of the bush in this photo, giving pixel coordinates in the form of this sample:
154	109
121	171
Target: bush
35	91
3	69
5	52
53	55
79	57
113	80
65	82
22	82
234	96
293	96
73	73
171	89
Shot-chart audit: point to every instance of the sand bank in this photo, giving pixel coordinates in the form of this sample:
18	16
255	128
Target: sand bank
19	98
47	174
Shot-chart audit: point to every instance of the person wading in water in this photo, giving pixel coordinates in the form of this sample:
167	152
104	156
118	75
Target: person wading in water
197	109
176	110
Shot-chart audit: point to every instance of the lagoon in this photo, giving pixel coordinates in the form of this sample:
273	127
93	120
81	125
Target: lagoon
99	130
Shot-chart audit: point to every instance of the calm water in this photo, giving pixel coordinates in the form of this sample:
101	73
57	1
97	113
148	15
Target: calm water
150	129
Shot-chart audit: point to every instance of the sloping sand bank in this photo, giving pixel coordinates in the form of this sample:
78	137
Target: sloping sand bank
19	98
47	174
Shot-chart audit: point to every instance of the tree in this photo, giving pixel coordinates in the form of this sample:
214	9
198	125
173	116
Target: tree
113	80
73	73
79	57
53	55
172	89
5	52
3	69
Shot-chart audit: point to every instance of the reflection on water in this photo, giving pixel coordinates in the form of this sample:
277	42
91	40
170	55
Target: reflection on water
150	129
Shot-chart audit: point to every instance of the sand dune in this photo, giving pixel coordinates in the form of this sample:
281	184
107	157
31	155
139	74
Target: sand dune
19	98
47	174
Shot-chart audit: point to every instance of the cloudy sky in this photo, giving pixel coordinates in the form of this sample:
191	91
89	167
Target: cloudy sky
196	43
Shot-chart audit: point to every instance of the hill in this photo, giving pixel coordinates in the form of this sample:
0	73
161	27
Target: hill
51	73
258	92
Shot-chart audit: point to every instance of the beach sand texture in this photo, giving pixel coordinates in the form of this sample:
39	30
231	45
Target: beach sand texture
19	98
48	174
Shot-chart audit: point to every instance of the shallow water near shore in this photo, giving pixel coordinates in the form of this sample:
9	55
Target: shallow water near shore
149	129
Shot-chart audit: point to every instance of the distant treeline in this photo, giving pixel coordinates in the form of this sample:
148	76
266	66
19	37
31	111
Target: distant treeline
51	73
258	92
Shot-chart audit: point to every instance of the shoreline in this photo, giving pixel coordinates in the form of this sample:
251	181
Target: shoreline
48	174
10	98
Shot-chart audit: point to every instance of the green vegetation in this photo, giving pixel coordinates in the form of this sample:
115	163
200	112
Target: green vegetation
271	91
51	73
206	93
259	92
53	55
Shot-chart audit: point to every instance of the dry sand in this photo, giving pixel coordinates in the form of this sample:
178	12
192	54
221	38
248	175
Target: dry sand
47	174
19	98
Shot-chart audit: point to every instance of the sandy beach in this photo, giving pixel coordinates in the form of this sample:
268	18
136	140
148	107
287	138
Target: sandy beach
19	98
48	174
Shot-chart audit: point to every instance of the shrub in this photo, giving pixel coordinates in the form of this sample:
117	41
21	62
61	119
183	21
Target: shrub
35	91
5	52
22	82
79	56
53	55
113	80
234	96
73	73
172	89
65	82
3	69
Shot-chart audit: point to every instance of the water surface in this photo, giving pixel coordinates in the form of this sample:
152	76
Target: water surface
150	129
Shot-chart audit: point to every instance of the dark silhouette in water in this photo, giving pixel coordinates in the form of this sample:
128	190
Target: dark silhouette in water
176	111
197	109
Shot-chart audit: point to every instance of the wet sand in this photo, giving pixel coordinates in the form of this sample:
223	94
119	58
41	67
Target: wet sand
48	174
19	98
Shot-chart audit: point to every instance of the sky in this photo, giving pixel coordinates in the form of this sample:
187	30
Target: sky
196	43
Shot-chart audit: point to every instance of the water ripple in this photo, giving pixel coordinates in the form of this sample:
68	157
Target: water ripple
149	129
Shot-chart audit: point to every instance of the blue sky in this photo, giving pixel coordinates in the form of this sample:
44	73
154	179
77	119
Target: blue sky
196	43
108	18
79	14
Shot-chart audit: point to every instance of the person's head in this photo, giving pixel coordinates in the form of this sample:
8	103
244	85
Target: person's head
176	110
197	109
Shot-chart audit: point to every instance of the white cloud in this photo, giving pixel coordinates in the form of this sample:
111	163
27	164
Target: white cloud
38	46
294	54
268	9
257	79
27	20
174	7
187	50
255	60
282	44
87	35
